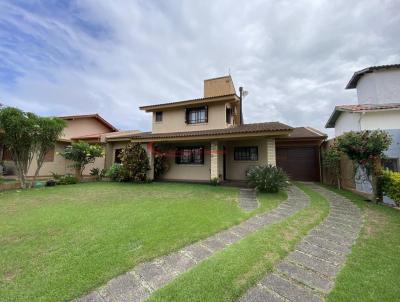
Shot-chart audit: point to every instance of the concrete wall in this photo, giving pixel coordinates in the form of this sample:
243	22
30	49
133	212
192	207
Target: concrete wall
83	126
379	87
174	120
381	120
218	86
347	122
236	170
189	172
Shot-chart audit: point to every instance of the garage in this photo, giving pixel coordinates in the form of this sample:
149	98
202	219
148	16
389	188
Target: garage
299	154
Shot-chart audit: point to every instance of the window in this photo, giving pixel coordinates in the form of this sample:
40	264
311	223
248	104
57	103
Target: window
117	156
49	156
190	155
197	115
246	153
228	115
159	116
391	164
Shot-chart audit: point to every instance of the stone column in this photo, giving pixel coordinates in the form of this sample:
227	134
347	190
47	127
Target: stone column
214	160
150	153
271	151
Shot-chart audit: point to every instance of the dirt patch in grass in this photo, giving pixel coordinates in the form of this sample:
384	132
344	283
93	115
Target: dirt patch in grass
375	223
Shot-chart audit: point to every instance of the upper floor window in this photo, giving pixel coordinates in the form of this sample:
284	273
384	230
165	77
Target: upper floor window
159	116
228	115
246	153
197	115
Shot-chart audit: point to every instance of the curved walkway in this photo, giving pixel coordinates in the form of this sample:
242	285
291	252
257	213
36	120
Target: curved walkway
308	273
144	279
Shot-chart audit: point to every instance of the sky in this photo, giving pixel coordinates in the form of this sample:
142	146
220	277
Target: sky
110	57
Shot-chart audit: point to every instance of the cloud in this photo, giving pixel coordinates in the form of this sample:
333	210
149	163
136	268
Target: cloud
111	57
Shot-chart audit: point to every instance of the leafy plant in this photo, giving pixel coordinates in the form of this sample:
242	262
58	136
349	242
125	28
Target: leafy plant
331	160
67	180
135	163
267	178
160	164
366	149
114	173
48	131
391	185
19	137
82	153
99	174
1	179
214	181
56	176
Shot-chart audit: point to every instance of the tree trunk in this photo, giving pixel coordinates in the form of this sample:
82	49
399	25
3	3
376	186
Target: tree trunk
78	174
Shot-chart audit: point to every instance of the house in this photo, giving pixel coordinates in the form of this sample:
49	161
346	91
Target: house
378	107
206	138
87	128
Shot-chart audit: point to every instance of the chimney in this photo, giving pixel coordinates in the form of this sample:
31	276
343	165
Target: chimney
218	86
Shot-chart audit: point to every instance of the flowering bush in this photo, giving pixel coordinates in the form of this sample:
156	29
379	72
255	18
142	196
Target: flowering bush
391	185
135	163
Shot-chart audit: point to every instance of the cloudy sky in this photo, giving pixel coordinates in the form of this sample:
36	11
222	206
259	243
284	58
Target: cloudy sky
294	57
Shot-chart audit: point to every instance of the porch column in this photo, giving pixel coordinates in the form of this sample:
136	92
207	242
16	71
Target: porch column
271	151
214	160
150	153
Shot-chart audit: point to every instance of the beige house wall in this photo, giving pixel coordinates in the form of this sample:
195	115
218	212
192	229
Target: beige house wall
189	172
236	170
174	120
83	126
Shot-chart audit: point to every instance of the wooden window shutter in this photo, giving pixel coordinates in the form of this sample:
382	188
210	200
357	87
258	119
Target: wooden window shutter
206	110
186	116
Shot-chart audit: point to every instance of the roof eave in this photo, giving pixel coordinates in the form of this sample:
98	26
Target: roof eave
333	118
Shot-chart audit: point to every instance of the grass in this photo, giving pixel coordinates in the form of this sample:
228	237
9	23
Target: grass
228	274
372	269
58	243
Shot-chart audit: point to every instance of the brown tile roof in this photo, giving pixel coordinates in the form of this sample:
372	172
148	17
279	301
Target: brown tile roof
358	74
306	132
126	133
358	108
242	129
95	115
186	102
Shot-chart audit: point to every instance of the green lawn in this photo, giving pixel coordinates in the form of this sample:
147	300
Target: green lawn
372	271
228	274
58	243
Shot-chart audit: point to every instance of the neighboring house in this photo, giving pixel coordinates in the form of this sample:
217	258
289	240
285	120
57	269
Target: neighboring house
87	128
378	93
206	138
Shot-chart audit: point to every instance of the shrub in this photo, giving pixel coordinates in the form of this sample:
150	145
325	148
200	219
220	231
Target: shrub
391	185
114	173
214	181
1	179
135	163
50	183
67	180
94	172
160	165
267	178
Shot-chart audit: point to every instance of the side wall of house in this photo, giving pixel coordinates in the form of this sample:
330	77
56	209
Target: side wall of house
347	122
83	126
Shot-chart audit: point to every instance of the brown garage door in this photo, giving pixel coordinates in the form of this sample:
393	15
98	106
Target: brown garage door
300	163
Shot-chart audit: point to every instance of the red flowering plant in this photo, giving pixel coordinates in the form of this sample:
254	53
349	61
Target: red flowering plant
365	148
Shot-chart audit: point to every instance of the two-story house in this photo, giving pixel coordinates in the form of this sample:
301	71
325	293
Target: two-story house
378	107
206	138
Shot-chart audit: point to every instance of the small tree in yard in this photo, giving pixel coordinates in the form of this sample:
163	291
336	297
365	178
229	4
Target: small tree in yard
49	130
366	149
331	160
135	163
19	137
82	153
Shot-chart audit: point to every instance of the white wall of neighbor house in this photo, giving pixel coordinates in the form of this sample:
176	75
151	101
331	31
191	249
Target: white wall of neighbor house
379	87
347	122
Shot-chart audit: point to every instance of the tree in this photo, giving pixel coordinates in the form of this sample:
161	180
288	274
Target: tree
82	153
49	130
366	149
135	163
331	160
20	130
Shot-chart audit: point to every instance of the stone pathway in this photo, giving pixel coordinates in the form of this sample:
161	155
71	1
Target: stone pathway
248	199
144	279
308	273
